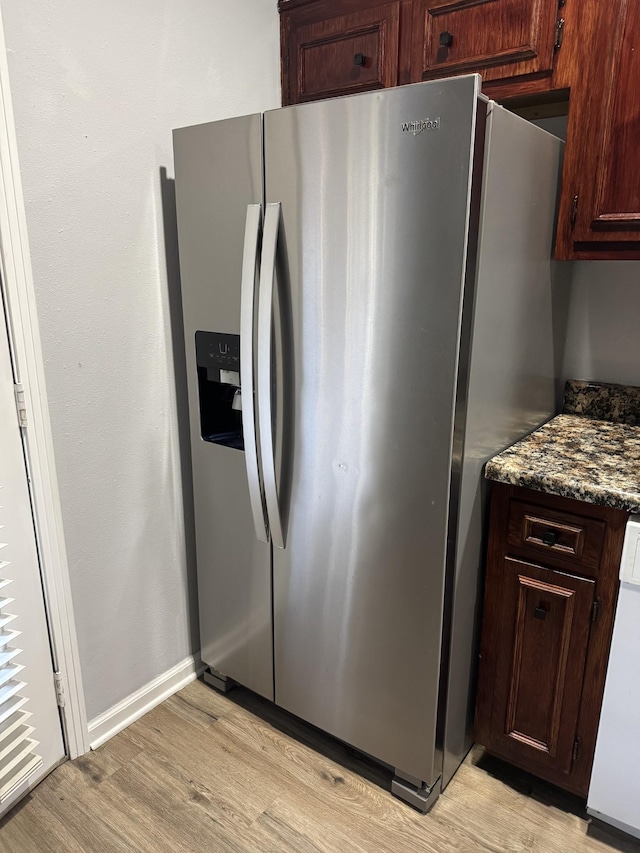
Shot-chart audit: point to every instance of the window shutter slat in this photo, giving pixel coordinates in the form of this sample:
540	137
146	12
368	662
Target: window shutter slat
7	655
7	637
17	748
9	672
11	705
6	619
19	736
27	764
12	722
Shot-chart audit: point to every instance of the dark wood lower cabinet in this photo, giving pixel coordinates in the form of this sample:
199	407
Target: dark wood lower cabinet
546	633
546	617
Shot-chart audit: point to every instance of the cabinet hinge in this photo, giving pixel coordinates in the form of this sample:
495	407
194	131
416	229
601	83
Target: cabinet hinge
58	681
577	746
559	34
21	406
573	215
596	607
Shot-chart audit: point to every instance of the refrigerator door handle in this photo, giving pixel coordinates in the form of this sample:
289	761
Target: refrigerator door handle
247	302
265	322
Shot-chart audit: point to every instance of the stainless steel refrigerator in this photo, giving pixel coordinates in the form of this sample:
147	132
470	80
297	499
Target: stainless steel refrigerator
367	309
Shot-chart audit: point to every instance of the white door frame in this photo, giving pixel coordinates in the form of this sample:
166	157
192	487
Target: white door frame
25	341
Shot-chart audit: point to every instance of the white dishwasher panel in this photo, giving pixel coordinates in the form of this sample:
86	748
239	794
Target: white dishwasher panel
614	793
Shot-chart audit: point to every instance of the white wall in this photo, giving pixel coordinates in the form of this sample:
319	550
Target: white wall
97	88
602	339
603	332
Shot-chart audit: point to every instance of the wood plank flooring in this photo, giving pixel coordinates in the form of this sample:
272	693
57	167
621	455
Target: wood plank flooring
205	772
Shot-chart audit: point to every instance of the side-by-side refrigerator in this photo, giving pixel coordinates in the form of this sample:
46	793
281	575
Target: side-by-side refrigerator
367	306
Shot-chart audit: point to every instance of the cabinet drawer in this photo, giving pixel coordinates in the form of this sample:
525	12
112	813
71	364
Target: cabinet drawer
343	55
546	534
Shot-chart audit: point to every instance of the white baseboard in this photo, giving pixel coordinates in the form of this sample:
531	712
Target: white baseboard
119	716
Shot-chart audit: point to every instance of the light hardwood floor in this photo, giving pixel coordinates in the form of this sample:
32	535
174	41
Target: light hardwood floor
205	772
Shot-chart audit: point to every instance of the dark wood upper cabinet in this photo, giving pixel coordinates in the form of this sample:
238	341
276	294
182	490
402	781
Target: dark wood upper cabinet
600	209
499	38
335	47
342	54
532	54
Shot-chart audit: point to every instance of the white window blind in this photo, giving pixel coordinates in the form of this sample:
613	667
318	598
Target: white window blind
18	759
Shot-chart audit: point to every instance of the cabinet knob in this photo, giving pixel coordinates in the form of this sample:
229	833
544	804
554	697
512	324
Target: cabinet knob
359	59
549	538
446	39
540	613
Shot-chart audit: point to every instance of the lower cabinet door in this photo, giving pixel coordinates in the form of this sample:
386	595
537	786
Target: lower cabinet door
545	619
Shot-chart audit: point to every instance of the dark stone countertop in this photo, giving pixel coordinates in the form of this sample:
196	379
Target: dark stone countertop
619	404
576	455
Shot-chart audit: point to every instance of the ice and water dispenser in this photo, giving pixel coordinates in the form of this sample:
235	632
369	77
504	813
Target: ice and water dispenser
218	362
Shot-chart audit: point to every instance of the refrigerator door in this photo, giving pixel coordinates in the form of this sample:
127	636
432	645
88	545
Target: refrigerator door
218	184
375	200
511	377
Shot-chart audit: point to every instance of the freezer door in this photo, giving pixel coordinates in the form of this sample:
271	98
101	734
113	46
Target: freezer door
218	185
373	236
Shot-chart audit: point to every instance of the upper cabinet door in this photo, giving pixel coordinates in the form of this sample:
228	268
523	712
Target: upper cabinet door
498	38
341	55
600	212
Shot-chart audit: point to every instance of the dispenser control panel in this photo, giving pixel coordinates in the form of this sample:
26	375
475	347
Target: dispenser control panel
219	394
218	351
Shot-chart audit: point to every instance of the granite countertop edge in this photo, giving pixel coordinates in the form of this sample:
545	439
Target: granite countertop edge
589	452
565	489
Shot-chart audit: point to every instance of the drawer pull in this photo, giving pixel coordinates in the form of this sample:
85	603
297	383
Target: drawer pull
540	613
359	59
446	39
541	532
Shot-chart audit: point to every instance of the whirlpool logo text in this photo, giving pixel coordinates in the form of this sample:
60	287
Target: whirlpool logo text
416	127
